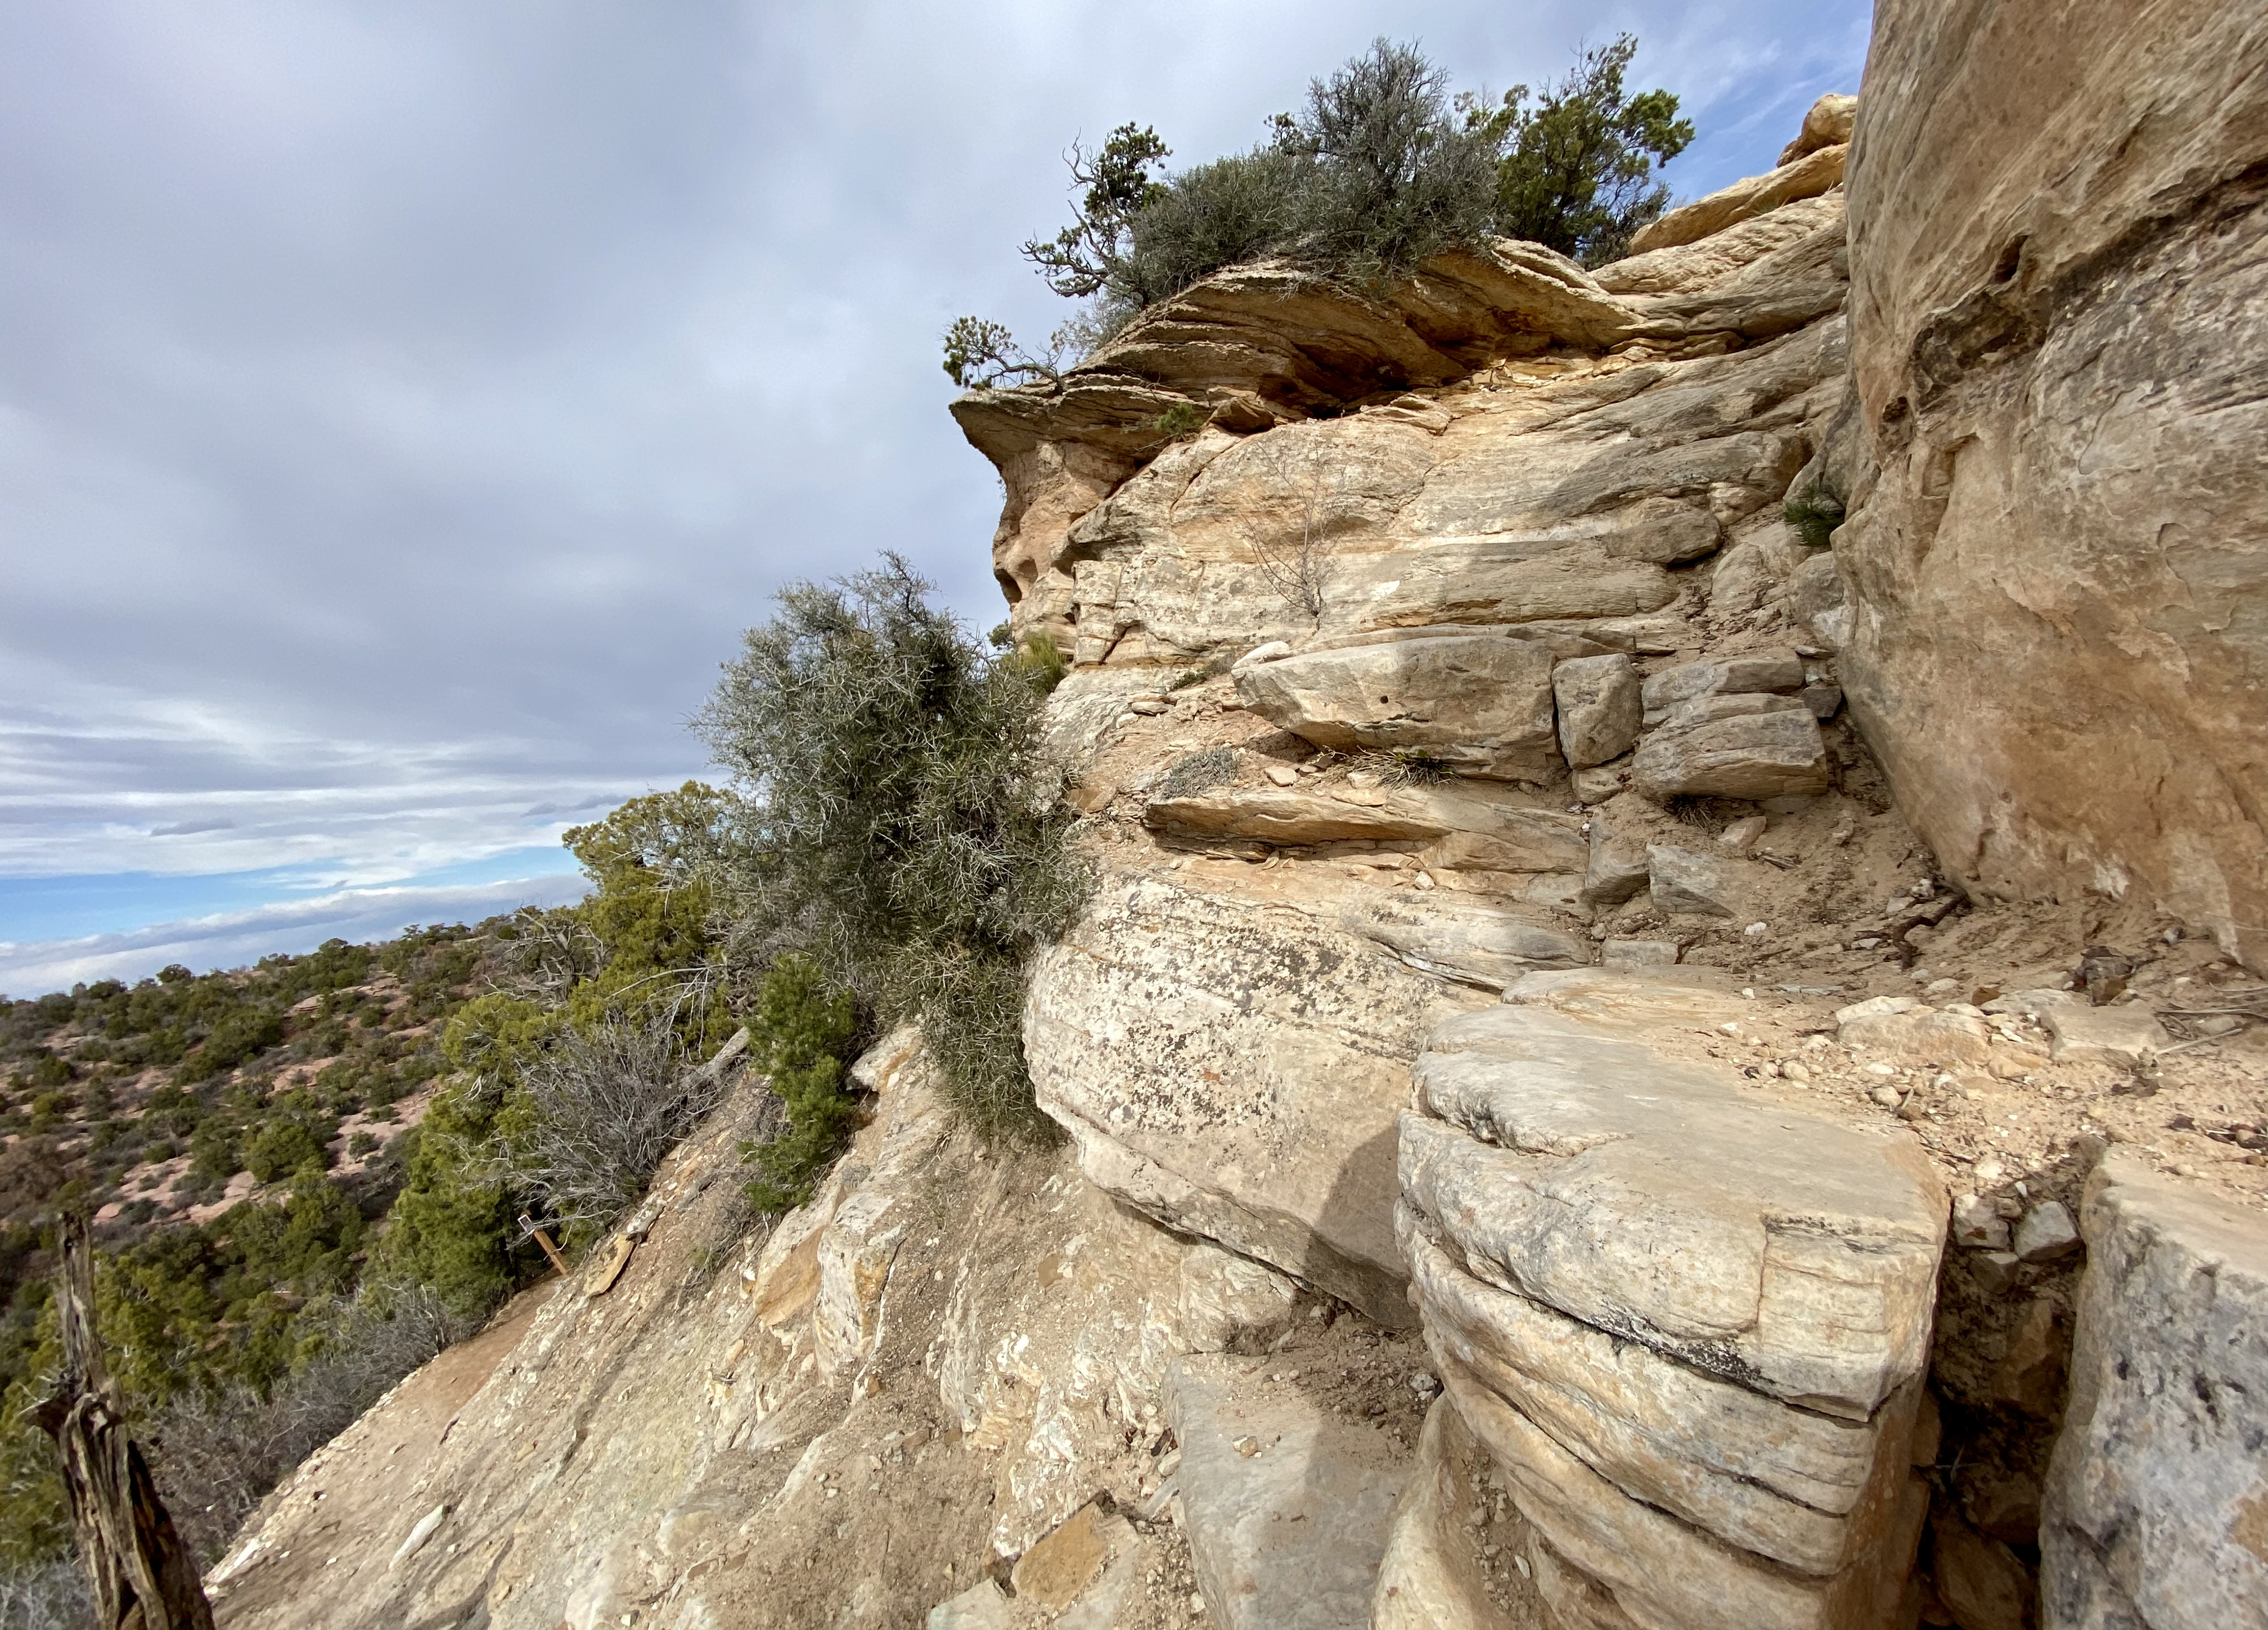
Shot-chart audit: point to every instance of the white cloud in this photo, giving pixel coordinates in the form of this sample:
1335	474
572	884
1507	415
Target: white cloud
233	939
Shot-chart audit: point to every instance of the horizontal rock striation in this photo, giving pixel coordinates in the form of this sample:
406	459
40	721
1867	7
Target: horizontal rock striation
1691	1326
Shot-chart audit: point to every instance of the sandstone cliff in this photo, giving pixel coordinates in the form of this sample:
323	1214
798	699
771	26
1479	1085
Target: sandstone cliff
1569	1123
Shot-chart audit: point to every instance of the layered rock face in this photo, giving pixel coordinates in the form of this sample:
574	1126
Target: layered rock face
2057	556
1692	1326
1501	926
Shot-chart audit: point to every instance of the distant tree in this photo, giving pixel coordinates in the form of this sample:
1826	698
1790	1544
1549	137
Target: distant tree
1578	170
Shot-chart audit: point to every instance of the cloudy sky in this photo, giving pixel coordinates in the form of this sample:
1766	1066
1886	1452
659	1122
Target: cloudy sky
404	404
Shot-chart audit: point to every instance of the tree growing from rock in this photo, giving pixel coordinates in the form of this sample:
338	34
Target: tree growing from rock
1578	166
1380	169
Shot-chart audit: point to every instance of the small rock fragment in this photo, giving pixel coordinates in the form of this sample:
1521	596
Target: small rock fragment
1685	882
1598	708
1741	835
1996	1272
2047	1233
1978	1224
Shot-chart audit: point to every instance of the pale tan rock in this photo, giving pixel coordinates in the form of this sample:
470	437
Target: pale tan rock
1598	702
1293	1532
1232	1068
2123	1036
1473	941
1778	670
1828	124
1685	880
1342	814
2060	551
982	1606
1918	1037
1670	1199
1570	1194
1538	840
1656	1571
1712	261
1481	704
1806	177
1750	746
2154	1511
1430	1578
1509	515
1775	1481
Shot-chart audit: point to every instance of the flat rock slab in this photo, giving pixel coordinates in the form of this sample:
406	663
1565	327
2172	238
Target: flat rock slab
1342	813
2123	1036
1481	702
2156	1508
1288	1510
1653	1197
1689	1321
1741	746
1460	937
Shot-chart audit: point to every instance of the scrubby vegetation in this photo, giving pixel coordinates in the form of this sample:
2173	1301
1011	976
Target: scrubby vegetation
1814	514
897	822
150	1106
1381	169
311	1175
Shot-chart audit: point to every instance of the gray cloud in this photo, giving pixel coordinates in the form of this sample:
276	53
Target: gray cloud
405	404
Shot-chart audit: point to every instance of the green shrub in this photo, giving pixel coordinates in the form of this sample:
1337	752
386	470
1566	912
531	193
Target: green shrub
1577	171
1379	170
282	1146
1396	177
1184	418
1214	215
1814	514
899	822
213	1149
799	1038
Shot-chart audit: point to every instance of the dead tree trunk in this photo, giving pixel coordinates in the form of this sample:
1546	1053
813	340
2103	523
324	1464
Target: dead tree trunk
142	1575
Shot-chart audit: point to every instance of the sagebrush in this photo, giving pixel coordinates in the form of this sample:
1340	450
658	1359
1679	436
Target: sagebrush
897	819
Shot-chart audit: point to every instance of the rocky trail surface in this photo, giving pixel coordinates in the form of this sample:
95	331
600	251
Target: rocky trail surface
1627	1065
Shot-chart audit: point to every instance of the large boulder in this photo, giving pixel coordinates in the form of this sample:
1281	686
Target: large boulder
2058	549
1691	1325
2156	1513
1480	704
1741	746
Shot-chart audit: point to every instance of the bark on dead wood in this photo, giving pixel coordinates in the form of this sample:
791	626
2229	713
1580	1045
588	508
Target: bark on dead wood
142	1575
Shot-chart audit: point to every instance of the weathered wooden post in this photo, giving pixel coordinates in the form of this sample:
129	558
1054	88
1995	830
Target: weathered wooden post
143	1574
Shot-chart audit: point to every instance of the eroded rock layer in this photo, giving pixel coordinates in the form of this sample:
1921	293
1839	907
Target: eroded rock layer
1690	1323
